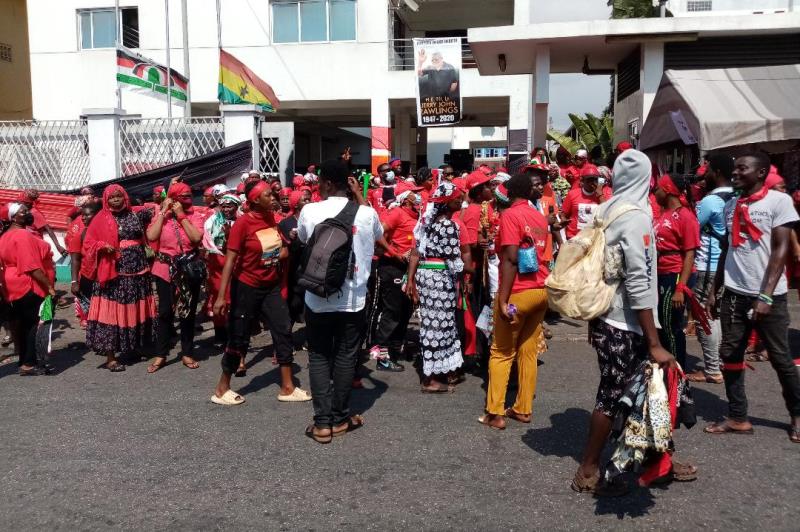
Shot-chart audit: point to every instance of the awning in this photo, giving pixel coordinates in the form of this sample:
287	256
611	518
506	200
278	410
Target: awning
725	107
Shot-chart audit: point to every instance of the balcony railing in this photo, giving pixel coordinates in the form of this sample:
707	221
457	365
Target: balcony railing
401	54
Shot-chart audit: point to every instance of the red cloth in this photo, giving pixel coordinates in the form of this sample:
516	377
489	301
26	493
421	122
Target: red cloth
545	203
622	146
522	225
676	230
399	226
666	184
463	232
102	232
257	241
579	208
471	216
215	264
741	218
72	239
39	221
655	208
176	189
22	253
168	242
662	465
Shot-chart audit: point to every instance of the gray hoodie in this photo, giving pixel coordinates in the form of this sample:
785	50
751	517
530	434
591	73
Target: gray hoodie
631	236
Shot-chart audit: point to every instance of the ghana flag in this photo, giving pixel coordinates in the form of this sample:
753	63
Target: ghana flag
239	84
145	76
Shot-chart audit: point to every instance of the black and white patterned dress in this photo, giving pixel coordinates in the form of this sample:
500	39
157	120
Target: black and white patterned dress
441	347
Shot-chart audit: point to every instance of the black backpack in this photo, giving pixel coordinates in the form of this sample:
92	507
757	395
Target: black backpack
328	258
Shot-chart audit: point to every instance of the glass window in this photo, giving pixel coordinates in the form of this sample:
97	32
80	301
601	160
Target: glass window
284	22
86	30
343	20
98	28
313	20
103	29
313	25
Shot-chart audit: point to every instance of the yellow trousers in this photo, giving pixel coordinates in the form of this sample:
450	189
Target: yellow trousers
522	339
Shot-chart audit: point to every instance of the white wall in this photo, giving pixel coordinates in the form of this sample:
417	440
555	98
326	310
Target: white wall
679	8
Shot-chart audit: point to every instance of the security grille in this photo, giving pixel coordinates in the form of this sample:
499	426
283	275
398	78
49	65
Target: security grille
269	155
148	143
46	155
698	5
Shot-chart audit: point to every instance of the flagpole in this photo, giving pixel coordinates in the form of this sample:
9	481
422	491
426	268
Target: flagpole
169	70
116	45
185	19
219	27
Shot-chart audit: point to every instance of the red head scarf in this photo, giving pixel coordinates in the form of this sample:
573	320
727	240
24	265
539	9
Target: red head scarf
666	184
256	191
285	192
773	179
294	198
103	231
177	189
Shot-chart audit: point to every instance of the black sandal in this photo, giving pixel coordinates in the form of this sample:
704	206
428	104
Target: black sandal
353	423
316	437
116	367
240	373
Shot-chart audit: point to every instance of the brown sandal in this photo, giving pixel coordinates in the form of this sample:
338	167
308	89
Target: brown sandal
683	472
487	420
522	418
725	428
582	484
794	434
191	365
152	368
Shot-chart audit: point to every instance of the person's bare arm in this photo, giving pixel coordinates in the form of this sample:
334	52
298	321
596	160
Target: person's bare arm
75	266
780	242
61	249
220	305
194	234
508	272
39	276
679	298
153	232
648	324
411	285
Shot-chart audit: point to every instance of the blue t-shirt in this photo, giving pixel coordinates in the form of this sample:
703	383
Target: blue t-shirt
710	214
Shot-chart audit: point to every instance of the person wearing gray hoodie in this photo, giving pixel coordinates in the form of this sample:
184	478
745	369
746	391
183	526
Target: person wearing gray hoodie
627	334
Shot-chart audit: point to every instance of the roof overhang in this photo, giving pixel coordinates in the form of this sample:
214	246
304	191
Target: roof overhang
605	42
720	108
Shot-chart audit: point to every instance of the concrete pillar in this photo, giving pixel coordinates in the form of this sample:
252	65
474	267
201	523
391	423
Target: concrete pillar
381	131
240	123
652	70
541	96
284	132
520	121
104	150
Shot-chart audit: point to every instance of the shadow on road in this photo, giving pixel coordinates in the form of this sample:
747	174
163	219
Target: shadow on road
563	437
636	504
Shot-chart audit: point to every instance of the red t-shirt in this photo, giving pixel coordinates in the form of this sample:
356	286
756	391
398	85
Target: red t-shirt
74	232
579	208
522	225
471	216
463	232
676	230
258	242
399	229
21	253
39	221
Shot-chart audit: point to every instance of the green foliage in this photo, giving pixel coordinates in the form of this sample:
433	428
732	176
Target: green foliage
632	9
592	131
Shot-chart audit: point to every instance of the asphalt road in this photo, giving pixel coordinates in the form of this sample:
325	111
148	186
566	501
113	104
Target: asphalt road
91	450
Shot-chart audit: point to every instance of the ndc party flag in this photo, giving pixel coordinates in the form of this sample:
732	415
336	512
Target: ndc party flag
145	76
239	84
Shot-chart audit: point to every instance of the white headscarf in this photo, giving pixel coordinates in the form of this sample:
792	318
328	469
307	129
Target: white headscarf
13	209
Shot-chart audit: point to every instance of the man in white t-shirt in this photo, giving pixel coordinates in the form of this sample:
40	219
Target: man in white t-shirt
334	326
759	227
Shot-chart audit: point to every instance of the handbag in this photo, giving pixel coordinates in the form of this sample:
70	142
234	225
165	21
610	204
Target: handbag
191	264
527	259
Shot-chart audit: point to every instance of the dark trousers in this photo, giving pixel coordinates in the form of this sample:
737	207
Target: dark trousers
166	317
672	319
395	306
24	320
774	332
250	302
333	341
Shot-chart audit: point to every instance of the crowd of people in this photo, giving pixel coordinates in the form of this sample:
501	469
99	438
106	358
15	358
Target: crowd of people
470	253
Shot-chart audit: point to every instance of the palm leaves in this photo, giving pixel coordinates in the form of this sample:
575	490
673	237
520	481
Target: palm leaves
592	131
631	8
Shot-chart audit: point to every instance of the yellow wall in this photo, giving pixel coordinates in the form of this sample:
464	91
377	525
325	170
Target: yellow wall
15	77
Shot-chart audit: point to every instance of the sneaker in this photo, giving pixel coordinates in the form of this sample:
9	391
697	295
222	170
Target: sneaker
389	365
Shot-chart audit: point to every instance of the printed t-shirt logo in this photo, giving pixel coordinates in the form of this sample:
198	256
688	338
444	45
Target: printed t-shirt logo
270	246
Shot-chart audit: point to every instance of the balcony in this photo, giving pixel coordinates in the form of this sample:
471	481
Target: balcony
401	54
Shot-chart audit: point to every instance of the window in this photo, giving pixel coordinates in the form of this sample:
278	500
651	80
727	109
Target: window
313	20
98	29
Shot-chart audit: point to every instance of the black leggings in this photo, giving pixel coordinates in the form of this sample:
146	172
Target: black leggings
24	322
166	317
249	302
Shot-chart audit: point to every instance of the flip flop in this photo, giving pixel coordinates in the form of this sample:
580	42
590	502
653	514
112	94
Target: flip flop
229	398
724	428
522	418
316	437
354	423
298	395
484	420
240	373
191	365
152	368
115	368
582	484
794	435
